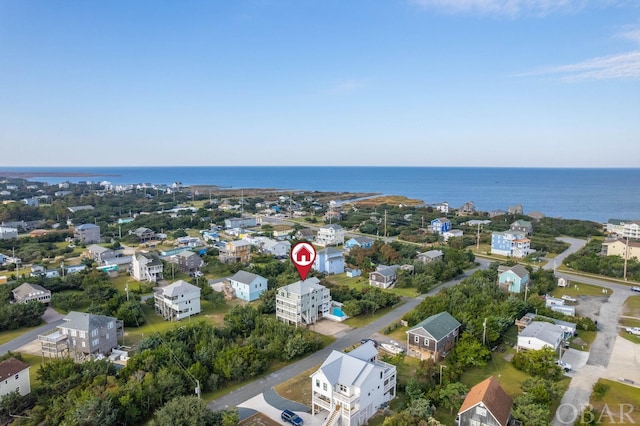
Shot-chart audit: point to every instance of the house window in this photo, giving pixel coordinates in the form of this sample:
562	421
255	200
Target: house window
324	386
416	339
342	388
481	411
426	341
17	375
94	332
110	324
317	383
474	423
83	344
73	333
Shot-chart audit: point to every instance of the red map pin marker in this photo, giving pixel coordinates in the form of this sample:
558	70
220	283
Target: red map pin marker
303	255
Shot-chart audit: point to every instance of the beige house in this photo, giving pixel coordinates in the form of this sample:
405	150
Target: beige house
619	248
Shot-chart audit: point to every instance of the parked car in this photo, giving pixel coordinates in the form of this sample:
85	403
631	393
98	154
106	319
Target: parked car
633	330
635	288
375	342
569	298
291	417
565	365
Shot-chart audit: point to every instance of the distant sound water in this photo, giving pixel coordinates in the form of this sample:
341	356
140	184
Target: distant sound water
589	194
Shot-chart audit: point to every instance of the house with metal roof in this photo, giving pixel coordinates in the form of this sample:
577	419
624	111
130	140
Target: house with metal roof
434	337
177	301
27	292
430	256
540	334
351	387
248	286
485	404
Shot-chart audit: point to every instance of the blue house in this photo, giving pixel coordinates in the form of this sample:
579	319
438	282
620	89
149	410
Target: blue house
513	279
510	243
360	242
329	261
248	286
440	225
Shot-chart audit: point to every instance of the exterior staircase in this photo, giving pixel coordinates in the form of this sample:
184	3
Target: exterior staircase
331	420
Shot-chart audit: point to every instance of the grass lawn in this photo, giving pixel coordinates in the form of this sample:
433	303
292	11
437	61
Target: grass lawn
298	388
8	335
581	289
587	336
632	307
34	361
618	400
156	324
630	337
508	377
362	320
363	282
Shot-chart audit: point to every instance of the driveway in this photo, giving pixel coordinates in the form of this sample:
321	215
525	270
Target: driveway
599	361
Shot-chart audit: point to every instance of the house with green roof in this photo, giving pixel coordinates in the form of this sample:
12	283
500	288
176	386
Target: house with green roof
434	337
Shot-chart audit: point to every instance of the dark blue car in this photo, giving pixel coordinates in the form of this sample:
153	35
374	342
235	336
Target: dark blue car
291	417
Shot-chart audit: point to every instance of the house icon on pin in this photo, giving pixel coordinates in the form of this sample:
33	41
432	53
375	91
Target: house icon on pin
303	255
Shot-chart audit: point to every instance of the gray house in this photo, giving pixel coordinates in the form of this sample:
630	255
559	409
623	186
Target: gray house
522	226
83	335
486	404
430	256
187	261
100	254
87	233
433	337
384	276
28	292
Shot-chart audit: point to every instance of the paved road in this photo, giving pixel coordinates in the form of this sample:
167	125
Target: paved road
575	245
577	395
28	337
252	389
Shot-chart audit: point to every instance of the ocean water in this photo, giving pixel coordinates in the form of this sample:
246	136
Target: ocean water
589	194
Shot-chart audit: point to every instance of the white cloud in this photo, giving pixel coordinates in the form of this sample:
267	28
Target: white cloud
348	86
633	35
622	66
509	8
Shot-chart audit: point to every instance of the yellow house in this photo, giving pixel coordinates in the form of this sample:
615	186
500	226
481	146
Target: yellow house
618	248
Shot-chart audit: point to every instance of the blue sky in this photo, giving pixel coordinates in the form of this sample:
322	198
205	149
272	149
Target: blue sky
545	83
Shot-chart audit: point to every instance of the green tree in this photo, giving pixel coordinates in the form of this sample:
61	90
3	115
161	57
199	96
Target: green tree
186	411
452	395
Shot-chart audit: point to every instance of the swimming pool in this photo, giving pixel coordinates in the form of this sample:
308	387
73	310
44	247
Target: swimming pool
337	311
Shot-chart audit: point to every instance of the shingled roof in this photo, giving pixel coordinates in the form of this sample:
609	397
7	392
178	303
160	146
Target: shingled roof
490	394
11	366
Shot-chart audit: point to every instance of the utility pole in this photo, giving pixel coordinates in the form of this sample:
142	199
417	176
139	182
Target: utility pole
626	257
484	331
441	367
478	239
385	223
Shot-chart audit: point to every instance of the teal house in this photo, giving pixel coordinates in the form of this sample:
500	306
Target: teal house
513	279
